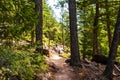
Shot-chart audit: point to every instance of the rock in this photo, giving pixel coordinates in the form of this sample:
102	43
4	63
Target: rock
45	52
59	49
67	61
100	59
93	67
53	67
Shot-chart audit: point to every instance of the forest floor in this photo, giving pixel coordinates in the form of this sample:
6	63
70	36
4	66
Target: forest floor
60	70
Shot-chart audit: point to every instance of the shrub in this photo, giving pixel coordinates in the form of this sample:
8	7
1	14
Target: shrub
20	63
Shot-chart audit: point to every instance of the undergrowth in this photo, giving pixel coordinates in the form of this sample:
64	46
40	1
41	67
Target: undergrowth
19	64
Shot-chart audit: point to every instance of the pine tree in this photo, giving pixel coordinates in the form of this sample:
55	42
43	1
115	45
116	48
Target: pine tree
75	56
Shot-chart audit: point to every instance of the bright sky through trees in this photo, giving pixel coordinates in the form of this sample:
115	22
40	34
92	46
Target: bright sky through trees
56	11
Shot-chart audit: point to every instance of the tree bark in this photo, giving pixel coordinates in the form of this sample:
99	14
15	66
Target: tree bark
38	8
95	31
74	47
113	50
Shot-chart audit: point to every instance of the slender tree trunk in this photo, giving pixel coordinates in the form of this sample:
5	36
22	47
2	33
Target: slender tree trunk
32	37
95	31
84	49
113	50
38	8
63	40
84	35
108	24
49	38
74	47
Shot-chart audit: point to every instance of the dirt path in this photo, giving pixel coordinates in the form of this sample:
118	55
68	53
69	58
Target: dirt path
59	70
62	70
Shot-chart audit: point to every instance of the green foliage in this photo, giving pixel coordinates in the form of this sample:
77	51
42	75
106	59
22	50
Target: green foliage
86	14
21	63
50	26
118	55
17	18
65	55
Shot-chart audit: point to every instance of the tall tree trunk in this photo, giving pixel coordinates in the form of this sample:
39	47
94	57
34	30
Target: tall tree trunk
84	35
95	31
74	47
63	39
38	8
108	24
113	50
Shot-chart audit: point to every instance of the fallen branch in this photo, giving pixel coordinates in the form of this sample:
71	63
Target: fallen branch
116	67
117	70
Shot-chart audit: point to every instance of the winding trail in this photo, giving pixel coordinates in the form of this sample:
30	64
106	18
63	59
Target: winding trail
60	70
63	70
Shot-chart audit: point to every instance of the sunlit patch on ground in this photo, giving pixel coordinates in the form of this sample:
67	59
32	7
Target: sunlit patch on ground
56	57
